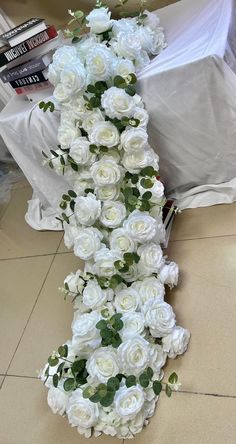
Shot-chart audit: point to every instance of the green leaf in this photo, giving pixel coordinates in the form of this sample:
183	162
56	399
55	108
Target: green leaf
66	197
65	218
95	398
147	195
148	171
88	392
168	391
128	191
72	193
60	368
95	102
53	361
135	179
78	366
103	149
113	383
149	372
115	280
144	380
173	379
62	160
157	387
89	190
129	258
118	325
101	324
107	400
120	376
41	105
45	155
106	333
69	384
79	14
130	90
91	89
119	82
124	269
134	122
55	380
116	341
50	164
136	258
63	205
93	148
132	200
102	390
146	183
145	206
133	78
54	153
130	381
72	205
63	351
74	167
101	86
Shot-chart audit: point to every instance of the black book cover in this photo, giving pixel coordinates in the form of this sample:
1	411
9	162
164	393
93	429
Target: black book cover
20	28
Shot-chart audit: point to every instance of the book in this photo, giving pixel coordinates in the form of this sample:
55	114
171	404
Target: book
28	45
37	77
50	45
32	88
23	31
26	69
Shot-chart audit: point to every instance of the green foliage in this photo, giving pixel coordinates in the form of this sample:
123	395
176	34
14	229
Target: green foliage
130	381
173	378
109	330
157	387
45	106
168	391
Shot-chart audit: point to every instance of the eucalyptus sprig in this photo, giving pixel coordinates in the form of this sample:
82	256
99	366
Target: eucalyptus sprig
109	329
128	260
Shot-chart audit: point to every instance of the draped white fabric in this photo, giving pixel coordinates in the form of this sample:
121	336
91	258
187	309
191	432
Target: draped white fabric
190	94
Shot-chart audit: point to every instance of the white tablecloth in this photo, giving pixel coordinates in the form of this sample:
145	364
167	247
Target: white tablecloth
190	93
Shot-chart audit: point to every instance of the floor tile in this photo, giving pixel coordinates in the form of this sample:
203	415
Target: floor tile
50	323
17	239
191	419
62	248
205	303
22	183
26	418
20	283
218	220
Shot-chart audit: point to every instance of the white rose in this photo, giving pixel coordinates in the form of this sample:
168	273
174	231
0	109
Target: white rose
149	288
142	115
104	262
123	67
102	365
99	63
99	20
121	241
112	214
157	357
75	282
123	25
176	342
104	133
140	227
91	118
82	181
73	77
134	324
106	172
136	160
93	295
67	134
87	209
151	258
126	300
148	39
169	274
159	317
127	45
159	41
85	44
117	103
81	412
133	355
142	60
129	401
87	243
157	190
132	274
136	425
64	56
57	400
85	331
110	192
80	152
70	233
61	93
134	139
76	106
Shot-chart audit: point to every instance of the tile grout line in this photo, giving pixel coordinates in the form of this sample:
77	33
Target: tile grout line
202	238
21	336
12	191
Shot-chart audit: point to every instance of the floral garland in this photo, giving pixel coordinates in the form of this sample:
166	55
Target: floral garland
108	377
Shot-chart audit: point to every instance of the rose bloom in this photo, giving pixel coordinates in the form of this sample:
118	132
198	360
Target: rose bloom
64	56
133	324
73	77
85	331
102	365
151	258
81	412
104	262
99	20
99	62
136	160
159	317
106	172
61	93
57	400
127	46
109	192
134	139
87	243
140	226
91	118
121	241
112	214
79	151
126	300
93	296
87	209
176	342
104	133
133	355
117	103
67	133
149	288
129	401
123	67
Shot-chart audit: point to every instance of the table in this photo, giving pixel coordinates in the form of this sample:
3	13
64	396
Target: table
190	94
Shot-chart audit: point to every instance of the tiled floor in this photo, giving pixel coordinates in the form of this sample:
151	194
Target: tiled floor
34	320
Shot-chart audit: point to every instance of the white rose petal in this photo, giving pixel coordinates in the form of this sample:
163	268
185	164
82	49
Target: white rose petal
117	103
99	20
134	139
121	241
106	172
140	226
134	324
85	331
73	77
81	412
93	296
169	274
133	355
87	243
57	400
151	258
149	288
99	63
136	160
80	152
91	118
110	192
126	300
104	262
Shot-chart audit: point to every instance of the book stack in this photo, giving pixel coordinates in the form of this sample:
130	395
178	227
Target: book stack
27	50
